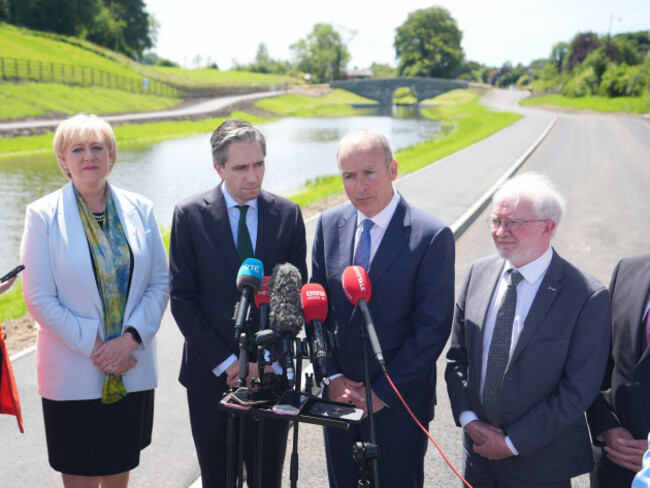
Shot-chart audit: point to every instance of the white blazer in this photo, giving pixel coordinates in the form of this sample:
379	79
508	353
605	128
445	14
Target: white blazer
61	293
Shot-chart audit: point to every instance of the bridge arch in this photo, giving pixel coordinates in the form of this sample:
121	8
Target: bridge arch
382	89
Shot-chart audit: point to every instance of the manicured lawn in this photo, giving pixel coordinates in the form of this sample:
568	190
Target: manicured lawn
633	105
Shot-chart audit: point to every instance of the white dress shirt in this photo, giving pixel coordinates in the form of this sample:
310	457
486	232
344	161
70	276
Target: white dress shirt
251	222
527	288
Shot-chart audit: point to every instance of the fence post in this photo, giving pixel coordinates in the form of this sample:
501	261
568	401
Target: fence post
16	67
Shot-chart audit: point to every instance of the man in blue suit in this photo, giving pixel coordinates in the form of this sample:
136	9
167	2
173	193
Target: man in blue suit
528	349
212	233
409	256
619	419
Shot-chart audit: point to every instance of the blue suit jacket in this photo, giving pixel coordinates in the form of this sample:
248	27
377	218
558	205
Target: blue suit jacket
625	396
203	272
553	375
412	278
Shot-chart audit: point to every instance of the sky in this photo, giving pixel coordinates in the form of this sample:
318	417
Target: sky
494	31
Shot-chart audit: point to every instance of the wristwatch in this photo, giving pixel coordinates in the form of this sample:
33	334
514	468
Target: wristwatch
134	334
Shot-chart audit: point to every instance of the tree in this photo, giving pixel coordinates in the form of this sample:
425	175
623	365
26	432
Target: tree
322	53
428	44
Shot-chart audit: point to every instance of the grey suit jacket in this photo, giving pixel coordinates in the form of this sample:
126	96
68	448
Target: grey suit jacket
553	375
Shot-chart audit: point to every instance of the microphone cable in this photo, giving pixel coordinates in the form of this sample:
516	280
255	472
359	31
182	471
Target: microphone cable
426	432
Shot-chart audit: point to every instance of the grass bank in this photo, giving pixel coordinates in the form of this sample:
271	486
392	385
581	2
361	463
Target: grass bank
126	134
30	99
464	122
336	103
12	304
633	105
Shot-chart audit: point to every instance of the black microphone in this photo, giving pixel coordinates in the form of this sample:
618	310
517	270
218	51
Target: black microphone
249	279
285	315
356	286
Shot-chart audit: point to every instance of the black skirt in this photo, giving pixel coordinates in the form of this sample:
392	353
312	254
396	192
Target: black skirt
88	438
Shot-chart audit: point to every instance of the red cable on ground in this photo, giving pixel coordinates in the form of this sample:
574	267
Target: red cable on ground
426	432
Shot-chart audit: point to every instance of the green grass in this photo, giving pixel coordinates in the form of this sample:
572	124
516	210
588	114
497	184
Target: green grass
464	123
212	77
12	304
634	105
336	103
126	134
32	99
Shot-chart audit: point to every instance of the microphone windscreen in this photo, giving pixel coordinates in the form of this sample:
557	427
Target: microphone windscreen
356	284
262	295
314	302
285	314
250	274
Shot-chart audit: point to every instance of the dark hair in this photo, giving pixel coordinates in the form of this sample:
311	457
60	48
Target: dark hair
233	130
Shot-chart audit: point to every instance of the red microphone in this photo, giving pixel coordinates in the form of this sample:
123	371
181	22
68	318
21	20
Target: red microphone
357	288
314	309
262	295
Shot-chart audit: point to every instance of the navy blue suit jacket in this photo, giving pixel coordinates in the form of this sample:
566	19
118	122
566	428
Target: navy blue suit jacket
552	377
203	271
625	396
412	278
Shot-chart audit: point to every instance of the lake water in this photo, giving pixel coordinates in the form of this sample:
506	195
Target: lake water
166	172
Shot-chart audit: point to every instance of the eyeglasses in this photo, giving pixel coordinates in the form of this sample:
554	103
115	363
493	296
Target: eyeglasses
509	225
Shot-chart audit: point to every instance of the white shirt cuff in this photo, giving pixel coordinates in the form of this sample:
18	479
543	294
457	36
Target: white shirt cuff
219	370
466	417
511	446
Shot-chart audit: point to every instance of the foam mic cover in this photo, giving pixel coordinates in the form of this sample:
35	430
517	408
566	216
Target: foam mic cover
356	284
314	302
262	295
285	314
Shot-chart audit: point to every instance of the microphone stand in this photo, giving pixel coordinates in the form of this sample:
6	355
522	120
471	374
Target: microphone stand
293	476
364	451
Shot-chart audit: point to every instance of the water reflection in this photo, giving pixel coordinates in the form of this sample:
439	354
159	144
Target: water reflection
298	150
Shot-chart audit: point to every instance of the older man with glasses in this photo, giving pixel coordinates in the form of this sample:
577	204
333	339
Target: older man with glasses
528	349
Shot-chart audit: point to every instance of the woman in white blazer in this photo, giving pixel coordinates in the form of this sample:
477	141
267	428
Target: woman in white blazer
96	282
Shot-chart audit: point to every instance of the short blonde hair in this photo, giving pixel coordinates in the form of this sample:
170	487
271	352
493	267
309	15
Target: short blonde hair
83	127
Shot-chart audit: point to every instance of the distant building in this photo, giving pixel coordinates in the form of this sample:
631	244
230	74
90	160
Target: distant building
356	74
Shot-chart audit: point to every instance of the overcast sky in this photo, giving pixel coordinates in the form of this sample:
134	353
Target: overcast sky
494	31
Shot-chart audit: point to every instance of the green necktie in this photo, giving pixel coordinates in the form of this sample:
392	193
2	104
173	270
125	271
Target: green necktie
244	244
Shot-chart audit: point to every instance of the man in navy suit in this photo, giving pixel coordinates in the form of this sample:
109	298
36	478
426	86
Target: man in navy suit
205	256
619	419
409	257
528	349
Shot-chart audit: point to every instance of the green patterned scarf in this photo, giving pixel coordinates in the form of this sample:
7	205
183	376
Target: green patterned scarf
112	259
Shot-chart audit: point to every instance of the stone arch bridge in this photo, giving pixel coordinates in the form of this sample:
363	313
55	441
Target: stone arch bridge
381	89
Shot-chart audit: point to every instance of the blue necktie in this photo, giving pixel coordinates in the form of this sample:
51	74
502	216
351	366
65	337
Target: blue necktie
362	252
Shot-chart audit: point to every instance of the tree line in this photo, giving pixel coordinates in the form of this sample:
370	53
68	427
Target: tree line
123	26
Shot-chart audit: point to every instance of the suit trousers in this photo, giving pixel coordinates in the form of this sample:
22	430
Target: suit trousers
607	474
210	428
401	453
483	473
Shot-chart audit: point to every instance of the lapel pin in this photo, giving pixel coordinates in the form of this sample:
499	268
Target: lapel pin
550	288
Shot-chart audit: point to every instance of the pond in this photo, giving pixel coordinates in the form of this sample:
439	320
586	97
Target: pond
298	150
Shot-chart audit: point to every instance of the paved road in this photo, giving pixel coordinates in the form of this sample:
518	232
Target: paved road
602	163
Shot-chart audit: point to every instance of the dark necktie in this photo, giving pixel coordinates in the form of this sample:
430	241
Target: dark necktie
244	244
499	353
362	252
645	333
245	251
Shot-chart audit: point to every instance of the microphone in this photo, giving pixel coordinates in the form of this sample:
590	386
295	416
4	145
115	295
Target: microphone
357	288
262	303
314	308
249	279
285	316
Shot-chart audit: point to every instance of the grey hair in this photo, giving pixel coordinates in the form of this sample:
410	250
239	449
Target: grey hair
548	202
372	135
233	130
